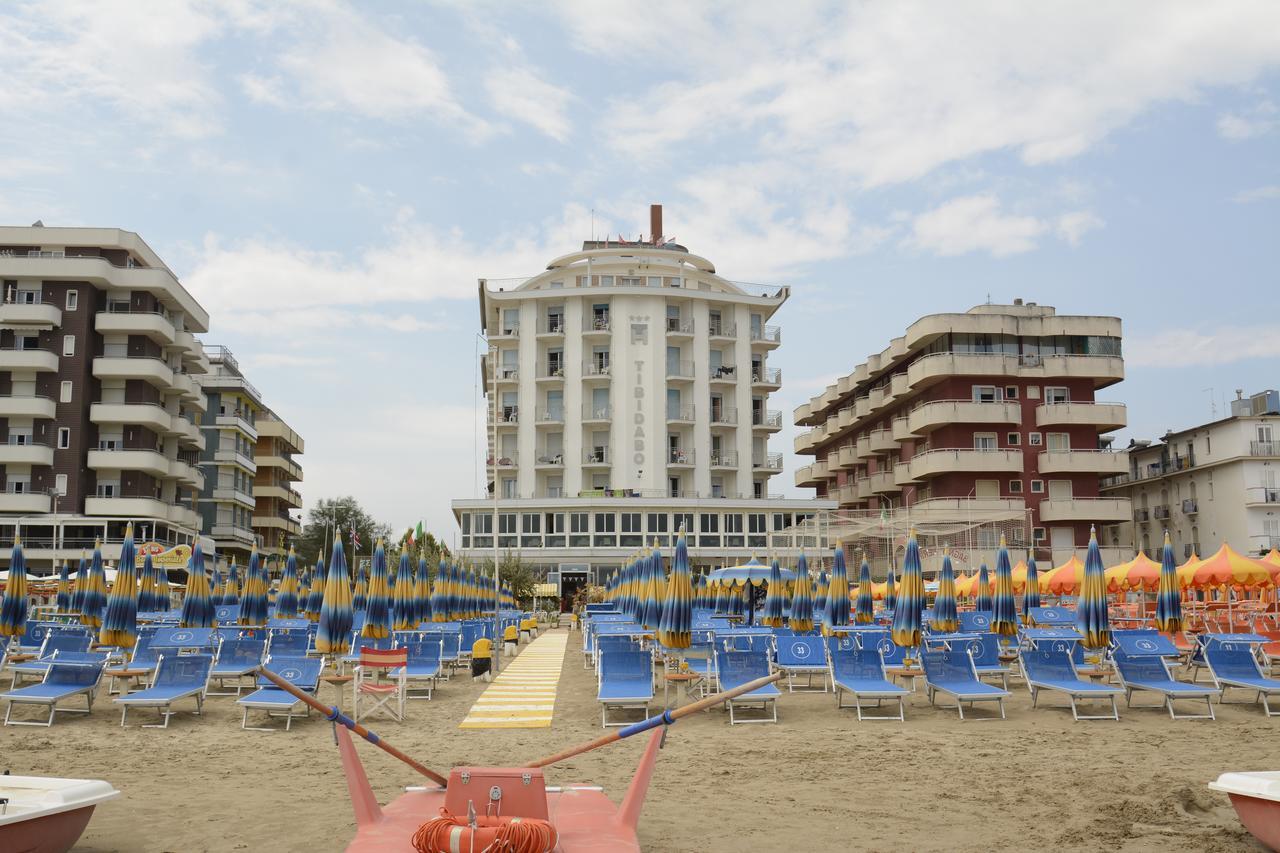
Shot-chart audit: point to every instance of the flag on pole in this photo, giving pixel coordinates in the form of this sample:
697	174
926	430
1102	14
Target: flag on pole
420	533
355	540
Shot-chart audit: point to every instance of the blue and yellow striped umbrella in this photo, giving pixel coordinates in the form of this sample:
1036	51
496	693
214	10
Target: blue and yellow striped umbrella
440	593
405	603
13	609
865	607
253	607
820	600
1030	589
422	593
147	586
1004	610
63	600
676	623
837	612
120	624
304	591
333	635
945	620
890	591
378	617
315	598
197	605
982	590
287	594
361	592
95	590
1091	609
163	592
654	588
910	604
723	593
801	618
231	587
1168	596
215	588
81	585
775	600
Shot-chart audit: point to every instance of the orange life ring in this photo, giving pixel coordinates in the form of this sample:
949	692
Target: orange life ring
451	834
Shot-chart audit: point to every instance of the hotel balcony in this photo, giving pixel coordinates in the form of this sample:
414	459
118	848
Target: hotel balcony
768	421
678	457
845	457
27	453
234	421
26	406
936	367
548	461
963	510
805	415
724	459
724	417
280	492
599	457
192	391
902	429
1102	369
135	508
1264	448
235	457
722	330
770	462
722	375
508	418
550	417
863	446
149	415
292	469
147	461
932	463
597	326
882	441
151	370
930	416
184	472
551	327
766	337
803	442
24	502
550	372
767	377
1105	510
1083	462
598	414
679	328
275	428
502	332
882	482
226	531
845	494
507	375
679	371
30	315
38	360
186	517
1104	417
279	522
189	435
680	414
228	494
863	486
902	474
149	324
811	475
596	371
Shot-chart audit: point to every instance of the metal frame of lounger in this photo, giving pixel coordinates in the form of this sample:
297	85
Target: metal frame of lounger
164	707
640	701
981	641
77	643
807	669
1223	682
32	697
767	701
302	672
237	673
414	649
949	657
1167	697
840	687
1086	689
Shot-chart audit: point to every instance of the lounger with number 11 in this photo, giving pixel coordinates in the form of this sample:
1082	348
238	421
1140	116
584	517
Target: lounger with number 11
1048	666
1139	669
861	673
952	672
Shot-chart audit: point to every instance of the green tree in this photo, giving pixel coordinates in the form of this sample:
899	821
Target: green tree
429	546
515	575
317	533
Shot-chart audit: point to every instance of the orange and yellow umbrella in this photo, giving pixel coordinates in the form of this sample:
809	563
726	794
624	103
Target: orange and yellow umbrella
1141	572
1226	567
1065	579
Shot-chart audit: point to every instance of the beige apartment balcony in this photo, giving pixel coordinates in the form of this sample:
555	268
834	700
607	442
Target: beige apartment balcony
149	324
25	453
927	417
225	530
185	472
722	460
278	491
189	434
1083	462
192	392
237	421
291	468
678	327
902	474
680	370
508	374
549	461
876	397
845	418
680	414
771	462
1102	369
863	446
230	494
804	442
148	461
846	494
722	330
26	406
832	424
136	508
899	385
550	372
549	417
811	475
278	429
504	331
679	457
882	441
1104	417
30	315
186	517
767	378
766	337
149	415
279	522
597	457
932	463
846	457
1105	510
235	457
767	421
725	376
829	396
600	414
151	370
936	367
861	407
551	327
597	326
902	429
862	485
596	372
882	483
724	416
508	418
38	360
24	502
803	415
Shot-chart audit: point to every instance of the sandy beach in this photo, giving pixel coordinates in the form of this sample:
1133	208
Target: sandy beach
819	779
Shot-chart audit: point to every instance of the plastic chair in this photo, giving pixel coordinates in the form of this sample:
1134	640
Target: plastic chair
380	681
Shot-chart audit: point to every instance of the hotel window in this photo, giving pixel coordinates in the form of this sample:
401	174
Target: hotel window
606	527
733	531
708	529
1056	394
606	281
555	530
1058	441
579	530
69	345
507	530
1011	392
1012	439
484	522
1015	487
509	488
60	484
64	438
1037	487
657	522
530	528
510	321
73	300
64	391
1034	439
757	533
1038	534
986	394
655	281
984	441
632	534
555	318
682	521
628	281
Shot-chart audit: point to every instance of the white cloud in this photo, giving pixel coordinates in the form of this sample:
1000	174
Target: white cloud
521	94
1263	193
1073	226
1197	348
1257	121
974	224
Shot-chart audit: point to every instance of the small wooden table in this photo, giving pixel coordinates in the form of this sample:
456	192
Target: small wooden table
125	673
912	672
337	681
20	658
683	681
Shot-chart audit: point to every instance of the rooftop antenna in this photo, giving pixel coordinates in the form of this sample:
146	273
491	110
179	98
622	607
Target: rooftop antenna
593	224
1213	402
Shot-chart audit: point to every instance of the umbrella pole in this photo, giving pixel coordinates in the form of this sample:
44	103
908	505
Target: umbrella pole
333	714
666	718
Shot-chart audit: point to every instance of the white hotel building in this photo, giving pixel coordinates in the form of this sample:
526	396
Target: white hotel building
630	385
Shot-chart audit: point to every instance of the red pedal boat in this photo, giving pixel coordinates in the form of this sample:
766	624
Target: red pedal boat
1256	797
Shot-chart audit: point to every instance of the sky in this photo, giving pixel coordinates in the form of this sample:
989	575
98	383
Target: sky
330	180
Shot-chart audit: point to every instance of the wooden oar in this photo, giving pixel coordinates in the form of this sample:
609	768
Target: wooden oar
666	718
331	712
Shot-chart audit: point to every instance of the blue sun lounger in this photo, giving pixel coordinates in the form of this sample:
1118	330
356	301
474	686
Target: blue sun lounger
861	673
288	643
62	680
226	614
1049	666
974	621
984	649
1235	665
141	663
734	669
54	645
237	657
625	681
1151	673
170	641
177	677
302	672
802	656
423	665
1053	617
951	671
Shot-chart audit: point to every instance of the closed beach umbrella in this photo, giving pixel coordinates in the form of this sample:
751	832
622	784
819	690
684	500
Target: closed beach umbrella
81	585
676	623
890	591
440	594
334	633
304	591
1004	611
405	607
700	593
1031	590
1168	596
147	589
162	588
315	598
215	588
654	589
1091	610
287	595
907	612
13	608
865	608
377	623
723	593
197	606
837	619
95	590
945	620
359	596
775	614
820	600
253	606
231	588
422	593
63	601
120	624
801	620
982	591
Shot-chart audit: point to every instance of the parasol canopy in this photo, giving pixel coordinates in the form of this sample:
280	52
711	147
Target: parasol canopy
1141	572
377	623
1031	589
802	599
63	600
1091	609
287	594
836	620
405	604
13	608
945	620
982	590
334	632
1004	612
95	590
197	605
120	623
910	603
753	571
1168	596
865	608
315	598
253	607
1226	567
422	592
676	623
775	601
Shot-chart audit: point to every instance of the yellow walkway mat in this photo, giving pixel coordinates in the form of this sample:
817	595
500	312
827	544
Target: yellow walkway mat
523	695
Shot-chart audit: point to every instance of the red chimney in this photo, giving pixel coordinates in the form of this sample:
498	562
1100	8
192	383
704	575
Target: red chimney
655	223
